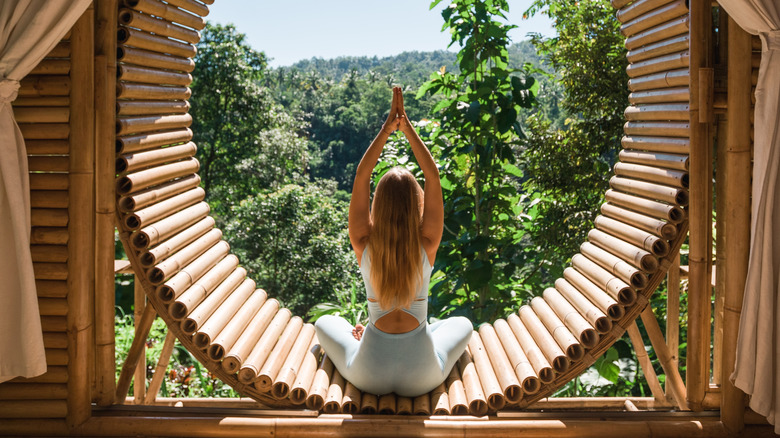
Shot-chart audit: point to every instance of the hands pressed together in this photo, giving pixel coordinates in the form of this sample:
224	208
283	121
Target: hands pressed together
397	118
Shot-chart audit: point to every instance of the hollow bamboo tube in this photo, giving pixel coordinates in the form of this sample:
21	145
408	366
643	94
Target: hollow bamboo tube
129	17
638	8
669	129
387	404
135	143
146	178
585	333
135	352
41	101
665	212
54	324
659	346
49	253
504	372
673	315
49	217
132	55
615	265
193	6
567	342
159	370
167	12
305	375
41	114
155	43
334	395
52	67
47	164
51	289
179	241
655	245
48	181
166	228
182	258
163	209
159	193
33	391
664	95
127	90
135	125
660	48
242	347
492	390
440	401
319	386
644	362
189	274
617	4
655	17
46	147
49	199
421	405
519	362
592	292
207	285
140	107
288	372
734	223
251	366
615	287
132	73
657	111
218	344
670	161
51	271
659	81
53	307
222	314
637	257
539	362
403	405
657	227
38	86
49	235
675	178
474	394
368	404
663	63
55	340
278	355
45	131
456	393
203	311
136	161
652	191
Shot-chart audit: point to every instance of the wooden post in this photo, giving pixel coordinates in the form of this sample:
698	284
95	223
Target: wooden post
659	345
736	220
644	362
159	370
699	258
139	374
105	97
134	354
673	317
81	222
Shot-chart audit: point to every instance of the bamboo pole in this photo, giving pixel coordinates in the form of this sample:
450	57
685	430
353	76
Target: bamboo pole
140	160
655	17
48	181
47	164
614	265
204	286
658	64
236	325
226	311
440	401
167	12
49	217
699	256
129	17
586	334
288	372
664	47
39	86
736	221
369	404
135	143
655	245
544	339
127	90
159	193
510	385
661	80
520	363
299	390
593	293
644	362
168	227
192	6
594	315
474	395
648	224
569	343
141	124
276	358
536	356
45	131
639	8
251	367
335	394
206	308
139	374
154	43
319	387
52	67
456	393
240	350
48	101
51	289
133	73
676	178
669	161
659	210
51	271
134	353
176	243
659	346
159	370
493	391
673	316
139	107
651	190
146	178
49	199
41	114
606	281
350	404
59	147
156	212
386	404
422	405
187	255
81	226
403	405
132	55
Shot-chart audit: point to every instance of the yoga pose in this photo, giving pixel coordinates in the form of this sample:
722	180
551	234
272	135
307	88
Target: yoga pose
395	239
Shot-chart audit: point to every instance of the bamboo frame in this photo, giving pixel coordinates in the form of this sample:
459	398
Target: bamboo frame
133	55
154	43
644	362
663	47
659	346
206	308
135	143
638	8
166	228
655	81
139	373
225	272
655	17
167	12
159	369
132	73
159	193
135	352
673	317
176	243
129	17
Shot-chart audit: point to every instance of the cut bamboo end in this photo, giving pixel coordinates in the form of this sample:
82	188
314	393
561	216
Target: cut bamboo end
403	405
510	385
350	404
422	405
222	342
274	362
176	243
146	178
200	254
268	315
387	404
223	314
491	387
440	401
137	161
203	311
369	404
141	142
308	368
253	364
201	289
287	374
335	394
156	194
163	209
456	393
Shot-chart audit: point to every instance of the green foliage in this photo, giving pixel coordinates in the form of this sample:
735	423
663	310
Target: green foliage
480	249
294	244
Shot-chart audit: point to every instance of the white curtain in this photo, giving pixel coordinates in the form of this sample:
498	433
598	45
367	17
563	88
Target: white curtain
757	368
29	29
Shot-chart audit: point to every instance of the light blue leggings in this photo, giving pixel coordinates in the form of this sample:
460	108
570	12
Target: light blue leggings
408	364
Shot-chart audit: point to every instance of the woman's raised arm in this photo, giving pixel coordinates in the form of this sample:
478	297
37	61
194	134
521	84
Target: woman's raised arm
359	204
433	210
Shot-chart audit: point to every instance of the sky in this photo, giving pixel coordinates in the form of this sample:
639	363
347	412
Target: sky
291	30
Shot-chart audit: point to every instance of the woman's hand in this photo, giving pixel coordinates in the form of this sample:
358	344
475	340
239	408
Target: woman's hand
357	332
393	123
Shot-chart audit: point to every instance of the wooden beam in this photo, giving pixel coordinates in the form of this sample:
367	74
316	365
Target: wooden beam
134	354
159	370
644	362
659	346
673	317
139	374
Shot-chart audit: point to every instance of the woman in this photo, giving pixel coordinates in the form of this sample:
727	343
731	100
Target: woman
395	241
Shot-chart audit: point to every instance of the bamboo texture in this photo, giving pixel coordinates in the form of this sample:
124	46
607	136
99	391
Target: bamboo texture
160	193
132	55
242	347
129	17
135	143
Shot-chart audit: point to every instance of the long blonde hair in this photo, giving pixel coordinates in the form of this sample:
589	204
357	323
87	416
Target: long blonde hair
395	240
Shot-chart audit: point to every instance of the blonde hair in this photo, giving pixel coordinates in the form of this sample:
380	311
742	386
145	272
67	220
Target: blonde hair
395	240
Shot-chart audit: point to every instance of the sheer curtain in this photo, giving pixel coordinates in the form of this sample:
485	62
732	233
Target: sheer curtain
29	29
757	368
